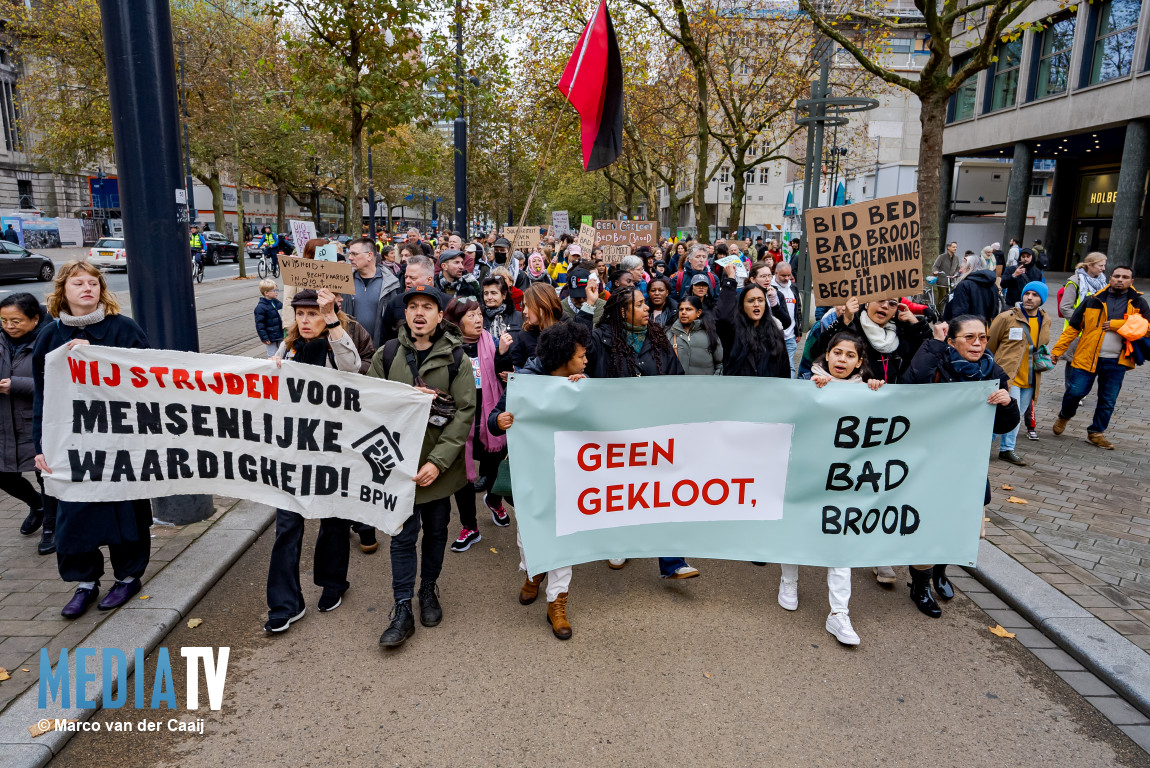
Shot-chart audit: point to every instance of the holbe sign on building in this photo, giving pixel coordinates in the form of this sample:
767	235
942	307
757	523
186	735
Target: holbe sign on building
870	250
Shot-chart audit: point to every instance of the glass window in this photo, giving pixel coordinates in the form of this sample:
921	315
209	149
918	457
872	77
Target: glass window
1054	61
901	44
750	177
962	102
724	175
764	174
1114	40
1004	90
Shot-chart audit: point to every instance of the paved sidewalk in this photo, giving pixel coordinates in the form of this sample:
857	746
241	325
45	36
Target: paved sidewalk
1086	526
32	594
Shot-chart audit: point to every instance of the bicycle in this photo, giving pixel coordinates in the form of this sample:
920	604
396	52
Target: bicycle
265	266
197	271
938	291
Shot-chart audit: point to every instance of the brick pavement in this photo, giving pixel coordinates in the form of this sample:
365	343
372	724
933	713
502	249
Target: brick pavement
1086	528
32	594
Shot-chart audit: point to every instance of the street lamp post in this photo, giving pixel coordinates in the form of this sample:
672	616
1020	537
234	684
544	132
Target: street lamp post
370	196
461	222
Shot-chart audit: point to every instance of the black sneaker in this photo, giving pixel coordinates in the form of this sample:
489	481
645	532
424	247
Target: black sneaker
499	514
466	538
1032	434
430	612
329	600
281	623
32	522
47	543
402	626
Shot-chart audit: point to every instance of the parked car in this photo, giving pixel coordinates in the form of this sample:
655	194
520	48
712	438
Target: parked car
17	262
109	253
252	248
219	247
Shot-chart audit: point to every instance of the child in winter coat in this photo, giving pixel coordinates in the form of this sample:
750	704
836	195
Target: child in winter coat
845	360
269	324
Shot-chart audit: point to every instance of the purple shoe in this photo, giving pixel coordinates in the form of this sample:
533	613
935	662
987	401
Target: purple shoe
80	602
119	594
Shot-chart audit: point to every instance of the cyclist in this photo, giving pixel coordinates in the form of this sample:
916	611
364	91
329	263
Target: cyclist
270	243
196	244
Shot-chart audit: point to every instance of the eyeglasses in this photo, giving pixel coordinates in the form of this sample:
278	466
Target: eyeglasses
891	303
970	338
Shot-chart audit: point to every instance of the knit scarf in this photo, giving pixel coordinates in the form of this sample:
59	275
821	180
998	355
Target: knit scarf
1090	284
313	352
818	370
636	334
968	371
883	338
492	388
82	321
493	312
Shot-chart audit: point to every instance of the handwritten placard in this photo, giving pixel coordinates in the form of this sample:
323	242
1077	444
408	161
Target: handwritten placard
525	239
632	233
586	238
870	250
301	232
329	252
560	223
613	254
309	273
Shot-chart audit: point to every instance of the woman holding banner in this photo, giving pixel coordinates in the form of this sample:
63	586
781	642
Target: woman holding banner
893	334
963	356
626	344
87	313
318	337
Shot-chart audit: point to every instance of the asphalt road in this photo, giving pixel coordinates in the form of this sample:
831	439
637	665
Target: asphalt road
224	303
703	672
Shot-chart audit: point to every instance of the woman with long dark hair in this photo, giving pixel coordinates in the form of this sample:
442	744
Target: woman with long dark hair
624	344
752	334
695	340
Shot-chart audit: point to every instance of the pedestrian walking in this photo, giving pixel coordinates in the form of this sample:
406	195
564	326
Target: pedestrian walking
1019	339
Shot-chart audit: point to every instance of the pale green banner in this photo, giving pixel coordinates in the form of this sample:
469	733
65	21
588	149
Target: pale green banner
748	469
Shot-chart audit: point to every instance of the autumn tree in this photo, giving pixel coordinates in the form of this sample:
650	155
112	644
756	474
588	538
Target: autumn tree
963	39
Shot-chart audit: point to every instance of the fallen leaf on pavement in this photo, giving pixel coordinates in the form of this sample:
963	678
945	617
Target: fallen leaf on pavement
145	597
1016	500
193	623
998	630
4	674
707	675
1008	487
38	728
494	551
986	519
25	669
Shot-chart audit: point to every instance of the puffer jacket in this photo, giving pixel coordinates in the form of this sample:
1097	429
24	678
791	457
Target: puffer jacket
1085	325
691	348
269	324
442	446
17	449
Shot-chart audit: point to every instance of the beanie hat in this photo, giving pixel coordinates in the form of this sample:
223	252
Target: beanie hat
1039	288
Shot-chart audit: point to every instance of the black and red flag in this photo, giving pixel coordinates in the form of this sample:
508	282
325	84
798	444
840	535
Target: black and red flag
593	83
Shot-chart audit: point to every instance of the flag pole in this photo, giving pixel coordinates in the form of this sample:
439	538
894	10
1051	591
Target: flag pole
542	165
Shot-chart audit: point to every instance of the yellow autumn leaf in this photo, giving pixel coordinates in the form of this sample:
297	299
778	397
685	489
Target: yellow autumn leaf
4	674
193	623
1016	500
494	551
145	597
998	630
1008	487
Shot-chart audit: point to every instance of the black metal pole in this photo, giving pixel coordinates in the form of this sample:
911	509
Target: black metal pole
370	196
461	220
146	129
190	189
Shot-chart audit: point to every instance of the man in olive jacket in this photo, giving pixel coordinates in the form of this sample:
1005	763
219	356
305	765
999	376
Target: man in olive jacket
430	346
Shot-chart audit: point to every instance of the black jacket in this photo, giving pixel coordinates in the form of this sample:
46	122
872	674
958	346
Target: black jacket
17	451
735	360
599	356
85	526
269	324
976	294
888	367
1014	285
931	364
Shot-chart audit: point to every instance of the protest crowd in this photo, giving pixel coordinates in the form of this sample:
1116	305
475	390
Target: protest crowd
454	319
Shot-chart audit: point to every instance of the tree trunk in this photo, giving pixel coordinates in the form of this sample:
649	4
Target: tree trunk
314	209
353	214
932	117
736	207
281	204
213	183
241	240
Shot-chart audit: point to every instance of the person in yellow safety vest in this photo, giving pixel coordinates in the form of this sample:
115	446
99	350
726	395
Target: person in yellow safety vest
269	243
196	244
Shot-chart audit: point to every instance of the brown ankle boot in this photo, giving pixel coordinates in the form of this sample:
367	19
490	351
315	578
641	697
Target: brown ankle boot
557	617
530	589
1097	438
1060	425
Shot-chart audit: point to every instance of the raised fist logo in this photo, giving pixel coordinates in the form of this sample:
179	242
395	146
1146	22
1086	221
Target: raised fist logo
380	448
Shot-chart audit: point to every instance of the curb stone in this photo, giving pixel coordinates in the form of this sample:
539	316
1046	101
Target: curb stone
172	594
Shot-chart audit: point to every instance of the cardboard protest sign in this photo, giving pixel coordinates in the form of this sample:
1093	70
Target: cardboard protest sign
632	233
125	424
525	239
301	232
870	250
853	479
586	239
559	223
613	254
309	273
329	252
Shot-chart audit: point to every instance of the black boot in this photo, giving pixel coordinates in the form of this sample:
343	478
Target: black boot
920	593
47	542
430	612
32	522
942	585
402	626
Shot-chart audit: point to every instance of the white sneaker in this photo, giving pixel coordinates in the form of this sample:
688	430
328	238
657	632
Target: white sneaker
884	574
839	625
789	594
684	572
617	563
